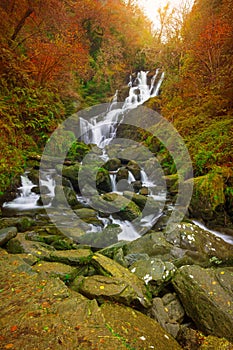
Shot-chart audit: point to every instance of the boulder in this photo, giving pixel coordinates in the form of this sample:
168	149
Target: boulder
208	196
110	268
70	172
20	244
122	174
120	206
135	169
136	330
72	257
206	295
64	195
104	238
112	164
7	234
168	312
152	206
155	273
55	269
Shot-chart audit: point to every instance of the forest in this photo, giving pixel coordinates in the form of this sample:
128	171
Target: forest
60	56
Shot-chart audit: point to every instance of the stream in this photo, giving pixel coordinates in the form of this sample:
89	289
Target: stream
101	130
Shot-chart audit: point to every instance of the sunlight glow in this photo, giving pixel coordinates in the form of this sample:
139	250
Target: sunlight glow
150	7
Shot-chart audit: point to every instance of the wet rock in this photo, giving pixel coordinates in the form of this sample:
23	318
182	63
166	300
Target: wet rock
88	215
155	273
144	191
72	257
135	169
64	196
199	246
103	182
55	269
71	172
112	164
207	297
119	205
122	174
149	204
132	258
104	238
7	234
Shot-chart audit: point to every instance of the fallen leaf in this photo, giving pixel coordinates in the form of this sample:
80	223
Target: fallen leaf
14	328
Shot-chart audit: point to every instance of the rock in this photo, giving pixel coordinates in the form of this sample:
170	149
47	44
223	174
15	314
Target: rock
55	269
7	234
88	215
34	176
119	205
132	258
168	312
112	164
199	246
135	329
186	244
152	206
103	181
64	195
20	244
72	257
104	238
215	343
208	196
107	267
22	223
155	273
172	182
210	293
135	169
52	315
71	172
122	174
144	191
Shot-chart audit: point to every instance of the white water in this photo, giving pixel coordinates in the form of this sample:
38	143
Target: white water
225	237
101	129
28	199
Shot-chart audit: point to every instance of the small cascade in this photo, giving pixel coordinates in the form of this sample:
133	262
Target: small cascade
113	181
26	199
128	232
131	178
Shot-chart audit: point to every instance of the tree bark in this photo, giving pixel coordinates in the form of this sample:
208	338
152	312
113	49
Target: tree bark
19	26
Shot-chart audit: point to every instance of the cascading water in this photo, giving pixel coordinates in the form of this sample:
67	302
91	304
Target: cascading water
101	129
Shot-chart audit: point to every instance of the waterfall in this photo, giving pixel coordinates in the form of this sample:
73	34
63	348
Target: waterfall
101	129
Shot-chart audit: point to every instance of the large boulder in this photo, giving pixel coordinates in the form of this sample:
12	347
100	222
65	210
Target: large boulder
155	273
104	238
207	297
110	268
71	172
64	195
186	244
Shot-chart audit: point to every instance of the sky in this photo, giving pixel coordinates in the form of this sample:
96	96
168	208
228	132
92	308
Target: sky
151	6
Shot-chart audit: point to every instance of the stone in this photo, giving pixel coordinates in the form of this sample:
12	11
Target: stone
71	172
136	330
135	169
104	238
110	268
120	206
72	257
6	234
20	244
155	273
64	196
55	269
143	202
206	295
112	164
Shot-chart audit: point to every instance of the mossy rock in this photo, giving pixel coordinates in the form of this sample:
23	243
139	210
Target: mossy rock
208	195
112	164
104	238
120	206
